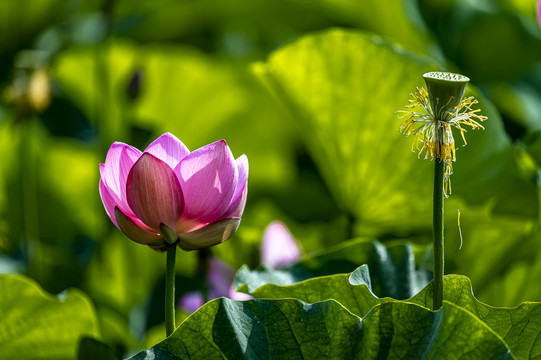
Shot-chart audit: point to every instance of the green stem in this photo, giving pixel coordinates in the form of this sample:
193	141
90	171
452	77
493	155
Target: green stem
170	291
29	143
439	169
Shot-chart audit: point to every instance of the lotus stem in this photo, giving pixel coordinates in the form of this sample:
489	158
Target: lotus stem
170	291
439	194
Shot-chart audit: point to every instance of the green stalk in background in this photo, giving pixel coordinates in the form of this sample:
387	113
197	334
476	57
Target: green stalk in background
444	108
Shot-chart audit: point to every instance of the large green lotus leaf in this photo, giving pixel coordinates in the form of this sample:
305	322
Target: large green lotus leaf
394	271
291	329
259	329
37	325
520	327
343	88
396	330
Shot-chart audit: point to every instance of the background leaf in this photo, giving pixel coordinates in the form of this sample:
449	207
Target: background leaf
335	91
36	325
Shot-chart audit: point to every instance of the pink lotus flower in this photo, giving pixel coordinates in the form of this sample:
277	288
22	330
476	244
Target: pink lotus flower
168	193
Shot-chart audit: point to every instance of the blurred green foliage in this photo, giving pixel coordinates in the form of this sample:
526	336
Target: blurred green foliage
36	325
315	117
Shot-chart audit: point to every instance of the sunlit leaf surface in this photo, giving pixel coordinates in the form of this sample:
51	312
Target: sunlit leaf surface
290	329
344	87
519	327
37	325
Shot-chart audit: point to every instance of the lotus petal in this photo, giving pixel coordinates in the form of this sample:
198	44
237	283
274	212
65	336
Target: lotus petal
154	193
108	201
168	148
208	177
236	208
139	233
118	162
209	235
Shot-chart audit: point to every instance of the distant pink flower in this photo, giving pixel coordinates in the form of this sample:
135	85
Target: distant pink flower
198	196
539	12
192	301
278	249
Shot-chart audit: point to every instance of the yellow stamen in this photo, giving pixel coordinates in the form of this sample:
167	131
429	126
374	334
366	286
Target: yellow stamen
435	134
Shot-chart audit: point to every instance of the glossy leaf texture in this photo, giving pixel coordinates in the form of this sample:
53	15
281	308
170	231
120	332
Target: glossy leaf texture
37	325
292	329
262	329
343	88
519	327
